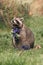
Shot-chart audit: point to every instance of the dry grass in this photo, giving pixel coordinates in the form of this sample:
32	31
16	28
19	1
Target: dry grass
11	56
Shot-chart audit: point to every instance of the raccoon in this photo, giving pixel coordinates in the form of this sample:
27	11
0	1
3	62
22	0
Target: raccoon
23	37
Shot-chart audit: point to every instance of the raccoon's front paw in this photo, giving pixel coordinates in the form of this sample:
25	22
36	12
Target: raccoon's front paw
12	31
17	35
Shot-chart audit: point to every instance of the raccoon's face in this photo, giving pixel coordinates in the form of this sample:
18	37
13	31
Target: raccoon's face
17	22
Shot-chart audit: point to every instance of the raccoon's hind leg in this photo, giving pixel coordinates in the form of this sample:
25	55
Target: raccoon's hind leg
32	45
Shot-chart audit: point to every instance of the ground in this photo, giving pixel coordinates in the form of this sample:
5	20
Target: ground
11	56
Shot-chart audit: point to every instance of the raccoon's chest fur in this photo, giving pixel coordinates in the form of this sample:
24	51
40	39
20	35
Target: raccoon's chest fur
23	33
27	36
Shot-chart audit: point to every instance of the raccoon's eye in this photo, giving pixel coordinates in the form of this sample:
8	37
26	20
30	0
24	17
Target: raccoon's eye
17	22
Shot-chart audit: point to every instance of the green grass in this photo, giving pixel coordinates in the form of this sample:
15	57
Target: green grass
11	56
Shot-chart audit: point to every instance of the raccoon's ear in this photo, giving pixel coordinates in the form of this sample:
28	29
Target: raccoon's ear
22	19
12	21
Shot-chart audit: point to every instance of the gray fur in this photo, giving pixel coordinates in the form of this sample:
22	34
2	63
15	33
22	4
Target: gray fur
26	38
